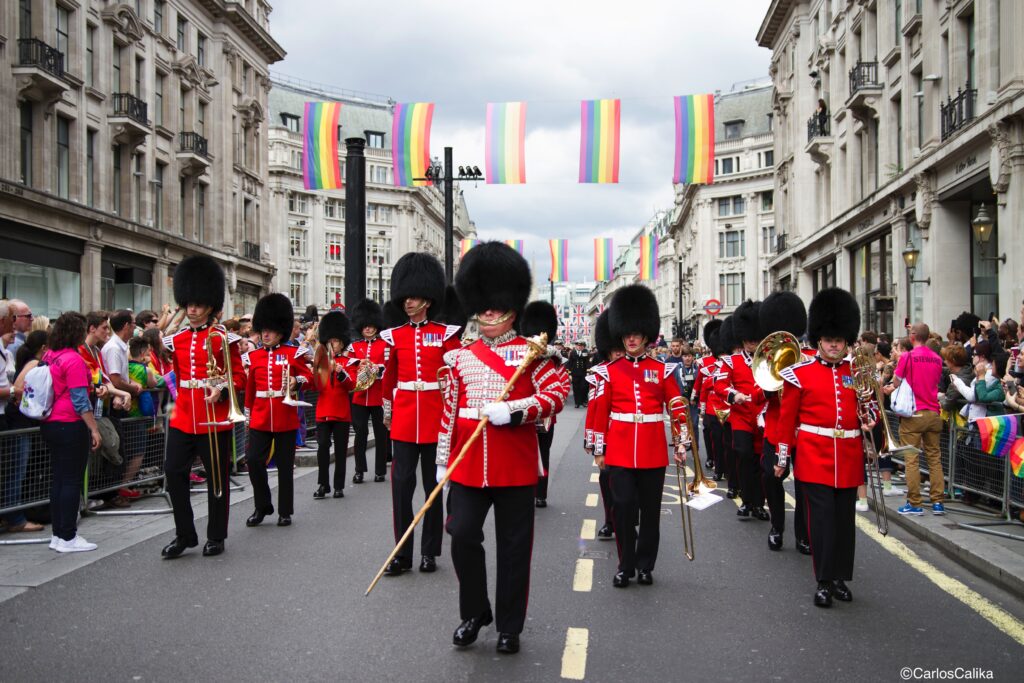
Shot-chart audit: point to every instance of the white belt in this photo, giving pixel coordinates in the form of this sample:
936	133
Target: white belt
419	386
831	433
469	413
269	394
192	384
637	417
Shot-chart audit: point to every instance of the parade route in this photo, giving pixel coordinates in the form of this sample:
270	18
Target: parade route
287	604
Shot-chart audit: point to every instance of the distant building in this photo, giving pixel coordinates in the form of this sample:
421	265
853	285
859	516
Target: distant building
570	303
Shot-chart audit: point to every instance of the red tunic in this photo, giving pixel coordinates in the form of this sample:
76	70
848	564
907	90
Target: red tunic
629	425
378	351
774	406
735	377
411	393
265	390
705	381
596	386
505	455
332	404
189	360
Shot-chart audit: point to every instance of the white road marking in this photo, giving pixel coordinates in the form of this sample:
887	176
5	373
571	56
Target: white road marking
574	657
589	529
595	477
591	500
583	579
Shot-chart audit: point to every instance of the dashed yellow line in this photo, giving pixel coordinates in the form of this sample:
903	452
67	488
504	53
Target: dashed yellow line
583	579
591	500
574	657
595	478
588	532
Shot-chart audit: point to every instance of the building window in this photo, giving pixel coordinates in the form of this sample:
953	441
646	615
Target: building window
335	250
246	75
824	276
726	165
63	168
870	279
158	100
182	33
732	244
732	289
181	205
378	251
90	168
768	200
733	130
201	49
63	21
334	289
115	69
90	57
137	187
181	111
768	241
140	65
379	174
117	179
769	159
158	16
201	213
378	213
201	119
25	110
158	196
374	139
971	50
298	203
291	122
25	19
297	242
296	157
297	288
334	208
899	134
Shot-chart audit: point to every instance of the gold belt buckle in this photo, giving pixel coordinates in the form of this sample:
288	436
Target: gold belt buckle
637	417
839	433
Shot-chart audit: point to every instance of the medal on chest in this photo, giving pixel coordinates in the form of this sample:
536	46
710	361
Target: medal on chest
651	376
512	357
432	339
847	382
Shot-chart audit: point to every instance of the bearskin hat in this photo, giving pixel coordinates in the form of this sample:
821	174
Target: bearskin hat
965	322
727	342
746	324
451	310
711	327
335	325
366	313
711	341
603	339
539	316
493	276
393	315
274	312
634	310
833	313
783	311
418	275
199	280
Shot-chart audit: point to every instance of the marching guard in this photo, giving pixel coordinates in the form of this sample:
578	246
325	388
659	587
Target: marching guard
725	346
333	379
412	399
501	467
200	423
821	418
608	350
368	321
706	369
629	431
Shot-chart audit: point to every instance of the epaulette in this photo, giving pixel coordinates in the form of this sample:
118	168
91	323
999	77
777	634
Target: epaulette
450	330
670	368
388	336
602	371
301	352
727	360
789	374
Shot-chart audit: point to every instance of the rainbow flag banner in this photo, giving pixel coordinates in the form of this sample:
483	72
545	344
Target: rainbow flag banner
321	169
998	433
599	141
410	142
1017	458
518	245
695	139
649	257
604	261
466	246
505	150
559	260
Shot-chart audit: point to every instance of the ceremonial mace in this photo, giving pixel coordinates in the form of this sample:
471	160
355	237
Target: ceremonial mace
537	347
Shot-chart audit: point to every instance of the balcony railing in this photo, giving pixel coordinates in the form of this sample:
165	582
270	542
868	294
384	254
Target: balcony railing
864	75
957	111
34	52
130	106
818	127
251	251
194	143
780	243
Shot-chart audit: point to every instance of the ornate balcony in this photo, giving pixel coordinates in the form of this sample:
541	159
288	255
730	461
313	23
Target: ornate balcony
958	111
250	251
39	73
819	139
864	90
192	153
129	122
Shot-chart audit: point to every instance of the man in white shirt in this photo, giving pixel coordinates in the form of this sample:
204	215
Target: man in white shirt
115	352
22	316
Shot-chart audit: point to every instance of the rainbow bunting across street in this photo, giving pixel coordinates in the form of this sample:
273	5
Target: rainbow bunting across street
599	141
649	257
466	246
505	150
518	245
695	139
559	260
998	433
410	142
603	260
321	169
1017	458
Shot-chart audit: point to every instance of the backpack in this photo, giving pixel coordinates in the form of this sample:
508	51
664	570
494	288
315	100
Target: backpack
37	401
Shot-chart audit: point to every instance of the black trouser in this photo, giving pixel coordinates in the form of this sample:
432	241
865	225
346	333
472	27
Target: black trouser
636	490
361	417
325	432
832	530
258	455
748	468
713	436
731	468
513	540
544	440
606	497
579	390
182	449
69	444
773	490
407	456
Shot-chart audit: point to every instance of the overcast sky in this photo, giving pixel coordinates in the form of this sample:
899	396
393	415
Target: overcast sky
462	55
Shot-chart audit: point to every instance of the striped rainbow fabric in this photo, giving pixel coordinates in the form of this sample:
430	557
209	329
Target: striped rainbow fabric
559	260
321	169
603	259
649	257
518	245
505	150
599	141
410	142
1017	458
466	245
998	433
695	139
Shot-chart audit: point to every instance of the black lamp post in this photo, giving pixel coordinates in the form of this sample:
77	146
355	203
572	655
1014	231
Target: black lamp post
355	222
911	254
982	227
380	269
445	175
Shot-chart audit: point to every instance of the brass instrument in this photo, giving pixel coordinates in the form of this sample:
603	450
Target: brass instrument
214	376
775	353
366	375
699	480
722	415
290	399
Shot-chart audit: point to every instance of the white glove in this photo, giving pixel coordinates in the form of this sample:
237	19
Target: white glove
441	469
498	413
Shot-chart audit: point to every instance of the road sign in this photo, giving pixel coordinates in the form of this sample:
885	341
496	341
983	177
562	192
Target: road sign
712	307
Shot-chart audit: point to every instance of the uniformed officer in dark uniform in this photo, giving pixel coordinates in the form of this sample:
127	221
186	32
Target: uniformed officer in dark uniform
578	364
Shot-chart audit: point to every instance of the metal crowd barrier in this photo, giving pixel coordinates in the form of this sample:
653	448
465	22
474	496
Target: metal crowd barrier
143	444
24	475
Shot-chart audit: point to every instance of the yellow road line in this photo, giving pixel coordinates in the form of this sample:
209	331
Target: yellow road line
591	500
583	579
589	529
574	657
595	477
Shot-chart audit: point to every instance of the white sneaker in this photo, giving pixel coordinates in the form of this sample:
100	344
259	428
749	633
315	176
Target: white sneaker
75	545
53	542
862	506
894	491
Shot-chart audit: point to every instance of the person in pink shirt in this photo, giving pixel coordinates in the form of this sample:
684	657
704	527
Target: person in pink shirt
70	430
922	368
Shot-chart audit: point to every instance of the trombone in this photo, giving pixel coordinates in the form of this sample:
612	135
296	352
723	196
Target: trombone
699	480
215	376
288	400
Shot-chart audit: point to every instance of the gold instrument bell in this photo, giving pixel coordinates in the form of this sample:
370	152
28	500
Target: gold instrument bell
775	353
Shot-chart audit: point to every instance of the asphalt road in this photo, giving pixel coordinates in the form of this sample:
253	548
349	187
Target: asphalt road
287	604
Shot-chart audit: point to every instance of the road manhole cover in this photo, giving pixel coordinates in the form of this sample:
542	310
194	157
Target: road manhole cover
595	554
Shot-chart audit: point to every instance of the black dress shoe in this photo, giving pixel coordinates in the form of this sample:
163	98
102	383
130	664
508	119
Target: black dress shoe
710	465
321	491
357	478
213	548
467	631
823	596
761	514
178	546
743	511
731	493
542	502
256	518
338	493
841	591
620	580
605	533
774	539
644	578
379	478
719	477
428	564
396	567
508	643
803	547
284	520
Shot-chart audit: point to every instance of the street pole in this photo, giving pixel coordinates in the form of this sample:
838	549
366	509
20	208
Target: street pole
355	222
679	295
449	216
552	283
380	279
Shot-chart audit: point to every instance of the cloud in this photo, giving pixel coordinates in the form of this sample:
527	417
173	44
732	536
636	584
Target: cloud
462	54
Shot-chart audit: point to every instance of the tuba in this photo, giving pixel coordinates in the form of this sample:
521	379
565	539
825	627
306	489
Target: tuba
775	353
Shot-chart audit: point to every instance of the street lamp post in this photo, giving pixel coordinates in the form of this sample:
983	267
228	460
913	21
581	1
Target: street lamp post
445	175
380	269
982	226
